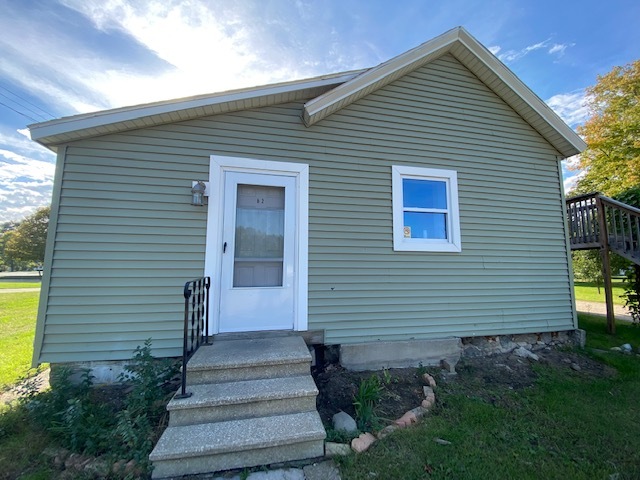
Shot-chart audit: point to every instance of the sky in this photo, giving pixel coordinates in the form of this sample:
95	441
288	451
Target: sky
64	57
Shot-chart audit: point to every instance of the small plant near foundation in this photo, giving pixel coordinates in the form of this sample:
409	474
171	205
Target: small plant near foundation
94	421
386	376
421	370
365	400
340	436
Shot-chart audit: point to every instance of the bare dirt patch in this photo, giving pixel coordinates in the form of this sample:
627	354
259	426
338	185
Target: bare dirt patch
480	377
402	391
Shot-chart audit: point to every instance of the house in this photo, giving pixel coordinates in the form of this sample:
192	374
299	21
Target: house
414	201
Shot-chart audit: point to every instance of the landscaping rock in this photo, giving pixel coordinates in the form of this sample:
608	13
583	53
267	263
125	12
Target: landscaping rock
332	449
427	403
342	421
387	431
419	412
57	455
472	351
279	474
118	467
522	352
363	442
429	379
448	366
576	367
440	441
322	471
77	462
98	467
406	420
627	348
615	349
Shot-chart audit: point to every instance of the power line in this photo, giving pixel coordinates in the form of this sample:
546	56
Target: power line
19	113
23	106
25	100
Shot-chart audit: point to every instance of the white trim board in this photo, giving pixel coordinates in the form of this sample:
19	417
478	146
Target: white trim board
213	260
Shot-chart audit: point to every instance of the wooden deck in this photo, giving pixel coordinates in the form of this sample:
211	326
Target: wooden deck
596	221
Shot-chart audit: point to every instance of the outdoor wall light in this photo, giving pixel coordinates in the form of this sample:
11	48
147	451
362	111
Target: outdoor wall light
197	193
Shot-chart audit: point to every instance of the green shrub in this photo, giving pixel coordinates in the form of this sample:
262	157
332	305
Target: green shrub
86	424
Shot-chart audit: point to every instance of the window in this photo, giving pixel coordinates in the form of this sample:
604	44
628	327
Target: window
425	210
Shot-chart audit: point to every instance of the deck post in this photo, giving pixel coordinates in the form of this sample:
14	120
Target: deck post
606	265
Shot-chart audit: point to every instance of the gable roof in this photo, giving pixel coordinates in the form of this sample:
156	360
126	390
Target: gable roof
479	60
331	93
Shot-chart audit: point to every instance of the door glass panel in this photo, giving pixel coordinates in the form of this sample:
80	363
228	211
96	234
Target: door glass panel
259	247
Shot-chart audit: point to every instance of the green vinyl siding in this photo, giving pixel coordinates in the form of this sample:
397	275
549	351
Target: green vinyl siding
127	238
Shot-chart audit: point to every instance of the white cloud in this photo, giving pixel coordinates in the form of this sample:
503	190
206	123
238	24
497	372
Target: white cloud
194	46
513	55
26	175
570	175
572	107
25	184
206	46
558	48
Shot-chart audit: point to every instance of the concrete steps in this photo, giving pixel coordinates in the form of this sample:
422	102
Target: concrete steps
249	359
246	399
253	403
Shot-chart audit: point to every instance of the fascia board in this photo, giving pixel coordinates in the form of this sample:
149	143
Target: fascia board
528	96
314	107
74	123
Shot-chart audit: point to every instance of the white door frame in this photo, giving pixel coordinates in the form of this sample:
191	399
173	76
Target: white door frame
219	165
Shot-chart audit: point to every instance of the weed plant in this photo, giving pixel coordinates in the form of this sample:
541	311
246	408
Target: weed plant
365	401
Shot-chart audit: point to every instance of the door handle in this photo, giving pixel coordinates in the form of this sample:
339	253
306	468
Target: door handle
224	247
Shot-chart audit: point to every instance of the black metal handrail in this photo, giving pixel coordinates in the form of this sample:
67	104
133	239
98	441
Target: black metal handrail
196	326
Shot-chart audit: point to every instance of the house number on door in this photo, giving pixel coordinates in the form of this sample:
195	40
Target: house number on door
259	200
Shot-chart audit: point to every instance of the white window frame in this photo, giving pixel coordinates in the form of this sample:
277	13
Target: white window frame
450	177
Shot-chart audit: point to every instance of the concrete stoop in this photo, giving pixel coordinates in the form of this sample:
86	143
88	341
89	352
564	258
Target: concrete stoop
253	403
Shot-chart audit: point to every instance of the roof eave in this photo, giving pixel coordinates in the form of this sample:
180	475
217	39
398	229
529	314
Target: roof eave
87	125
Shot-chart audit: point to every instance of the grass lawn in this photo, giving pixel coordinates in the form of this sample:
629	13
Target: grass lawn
17	327
588	292
6	285
568	425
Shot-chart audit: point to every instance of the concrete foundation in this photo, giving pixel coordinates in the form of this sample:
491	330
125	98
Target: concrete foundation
102	373
484	346
403	354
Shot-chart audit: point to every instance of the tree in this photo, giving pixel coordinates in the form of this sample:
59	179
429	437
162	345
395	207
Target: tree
612	158
26	243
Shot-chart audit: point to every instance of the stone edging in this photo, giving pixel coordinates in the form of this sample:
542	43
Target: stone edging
365	440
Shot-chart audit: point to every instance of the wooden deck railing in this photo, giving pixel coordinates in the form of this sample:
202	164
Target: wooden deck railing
596	221
623	228
584	228
589	215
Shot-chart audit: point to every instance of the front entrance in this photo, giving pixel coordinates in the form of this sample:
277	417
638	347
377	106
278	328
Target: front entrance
261	244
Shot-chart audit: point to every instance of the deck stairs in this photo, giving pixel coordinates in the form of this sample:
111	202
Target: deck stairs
253	403
599	222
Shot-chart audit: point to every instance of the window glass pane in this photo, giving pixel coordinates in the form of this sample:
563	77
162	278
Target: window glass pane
259	243
424	193
425	225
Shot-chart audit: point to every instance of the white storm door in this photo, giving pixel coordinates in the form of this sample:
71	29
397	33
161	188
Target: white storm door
257	284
